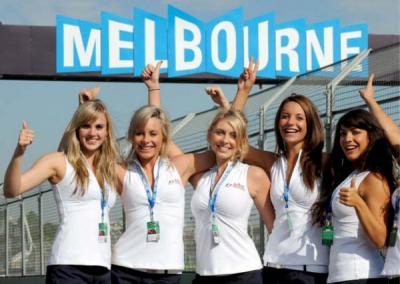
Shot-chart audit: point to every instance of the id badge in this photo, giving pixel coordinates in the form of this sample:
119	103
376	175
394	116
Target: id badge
153	231
215	233
393	237
103	232
327	235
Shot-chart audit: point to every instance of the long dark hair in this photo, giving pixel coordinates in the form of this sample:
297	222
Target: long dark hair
311	158
377	158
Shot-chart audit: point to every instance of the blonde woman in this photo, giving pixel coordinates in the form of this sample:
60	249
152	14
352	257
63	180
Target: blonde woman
83	178
153	178
221	205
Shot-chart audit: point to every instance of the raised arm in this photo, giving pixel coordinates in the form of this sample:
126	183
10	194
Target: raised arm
16	183
245	84
85	95
190	164
392	131
151	77
218	96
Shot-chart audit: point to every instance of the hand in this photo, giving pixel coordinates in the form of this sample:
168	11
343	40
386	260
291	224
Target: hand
217	95
349	195
151	75
88	94
26	136
249	75
367	94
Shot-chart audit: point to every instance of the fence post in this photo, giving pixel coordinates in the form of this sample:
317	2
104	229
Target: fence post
41	244
22	237
330	92
6	235
261	140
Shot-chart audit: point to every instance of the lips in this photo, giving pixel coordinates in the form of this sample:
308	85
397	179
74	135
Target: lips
223	148
290	130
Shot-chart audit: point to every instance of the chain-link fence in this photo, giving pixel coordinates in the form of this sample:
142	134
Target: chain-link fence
28	224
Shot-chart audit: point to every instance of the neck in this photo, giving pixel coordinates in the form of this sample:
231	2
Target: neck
292	151
148	164
221	165
90	158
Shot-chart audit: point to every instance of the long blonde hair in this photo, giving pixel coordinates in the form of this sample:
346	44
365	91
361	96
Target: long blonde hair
238	121
106	156
139	120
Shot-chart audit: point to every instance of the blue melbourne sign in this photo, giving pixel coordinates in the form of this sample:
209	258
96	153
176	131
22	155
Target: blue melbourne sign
188	46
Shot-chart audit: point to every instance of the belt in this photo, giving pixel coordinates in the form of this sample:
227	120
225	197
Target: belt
305	268
160	271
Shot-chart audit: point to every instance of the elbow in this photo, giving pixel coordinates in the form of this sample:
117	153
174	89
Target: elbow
380	241
9	193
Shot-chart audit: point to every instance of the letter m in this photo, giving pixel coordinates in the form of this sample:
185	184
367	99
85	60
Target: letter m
78	45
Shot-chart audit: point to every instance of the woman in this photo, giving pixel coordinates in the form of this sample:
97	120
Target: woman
151	249
356	187
83	179
221	205
294	253
391	268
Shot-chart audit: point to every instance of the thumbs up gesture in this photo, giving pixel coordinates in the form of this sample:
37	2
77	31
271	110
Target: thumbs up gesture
349	195
26	136
151	75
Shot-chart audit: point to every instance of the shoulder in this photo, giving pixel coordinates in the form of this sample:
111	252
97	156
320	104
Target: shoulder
374	184
257	174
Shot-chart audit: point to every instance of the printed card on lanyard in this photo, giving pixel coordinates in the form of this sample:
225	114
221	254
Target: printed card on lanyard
153	227
103	227
214	189
327	228
395	227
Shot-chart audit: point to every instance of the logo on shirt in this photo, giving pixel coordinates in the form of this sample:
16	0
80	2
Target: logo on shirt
174	181
235	185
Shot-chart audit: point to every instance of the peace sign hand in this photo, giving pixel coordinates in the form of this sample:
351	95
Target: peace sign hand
249	76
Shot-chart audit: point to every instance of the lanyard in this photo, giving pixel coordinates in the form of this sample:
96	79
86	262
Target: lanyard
103	202
286	186
151	194
214	188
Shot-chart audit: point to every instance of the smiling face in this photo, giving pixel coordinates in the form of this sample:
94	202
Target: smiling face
148	140
92	134
292	124
354	142
223	140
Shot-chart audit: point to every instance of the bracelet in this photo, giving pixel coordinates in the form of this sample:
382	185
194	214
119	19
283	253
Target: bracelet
150	90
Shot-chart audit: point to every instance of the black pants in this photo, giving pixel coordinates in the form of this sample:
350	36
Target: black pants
250	277
367	281
395	280
124	275
286	276
77	274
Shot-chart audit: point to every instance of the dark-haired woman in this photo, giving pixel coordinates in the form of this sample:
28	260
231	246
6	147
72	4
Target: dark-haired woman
355	193
294	252
392	132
